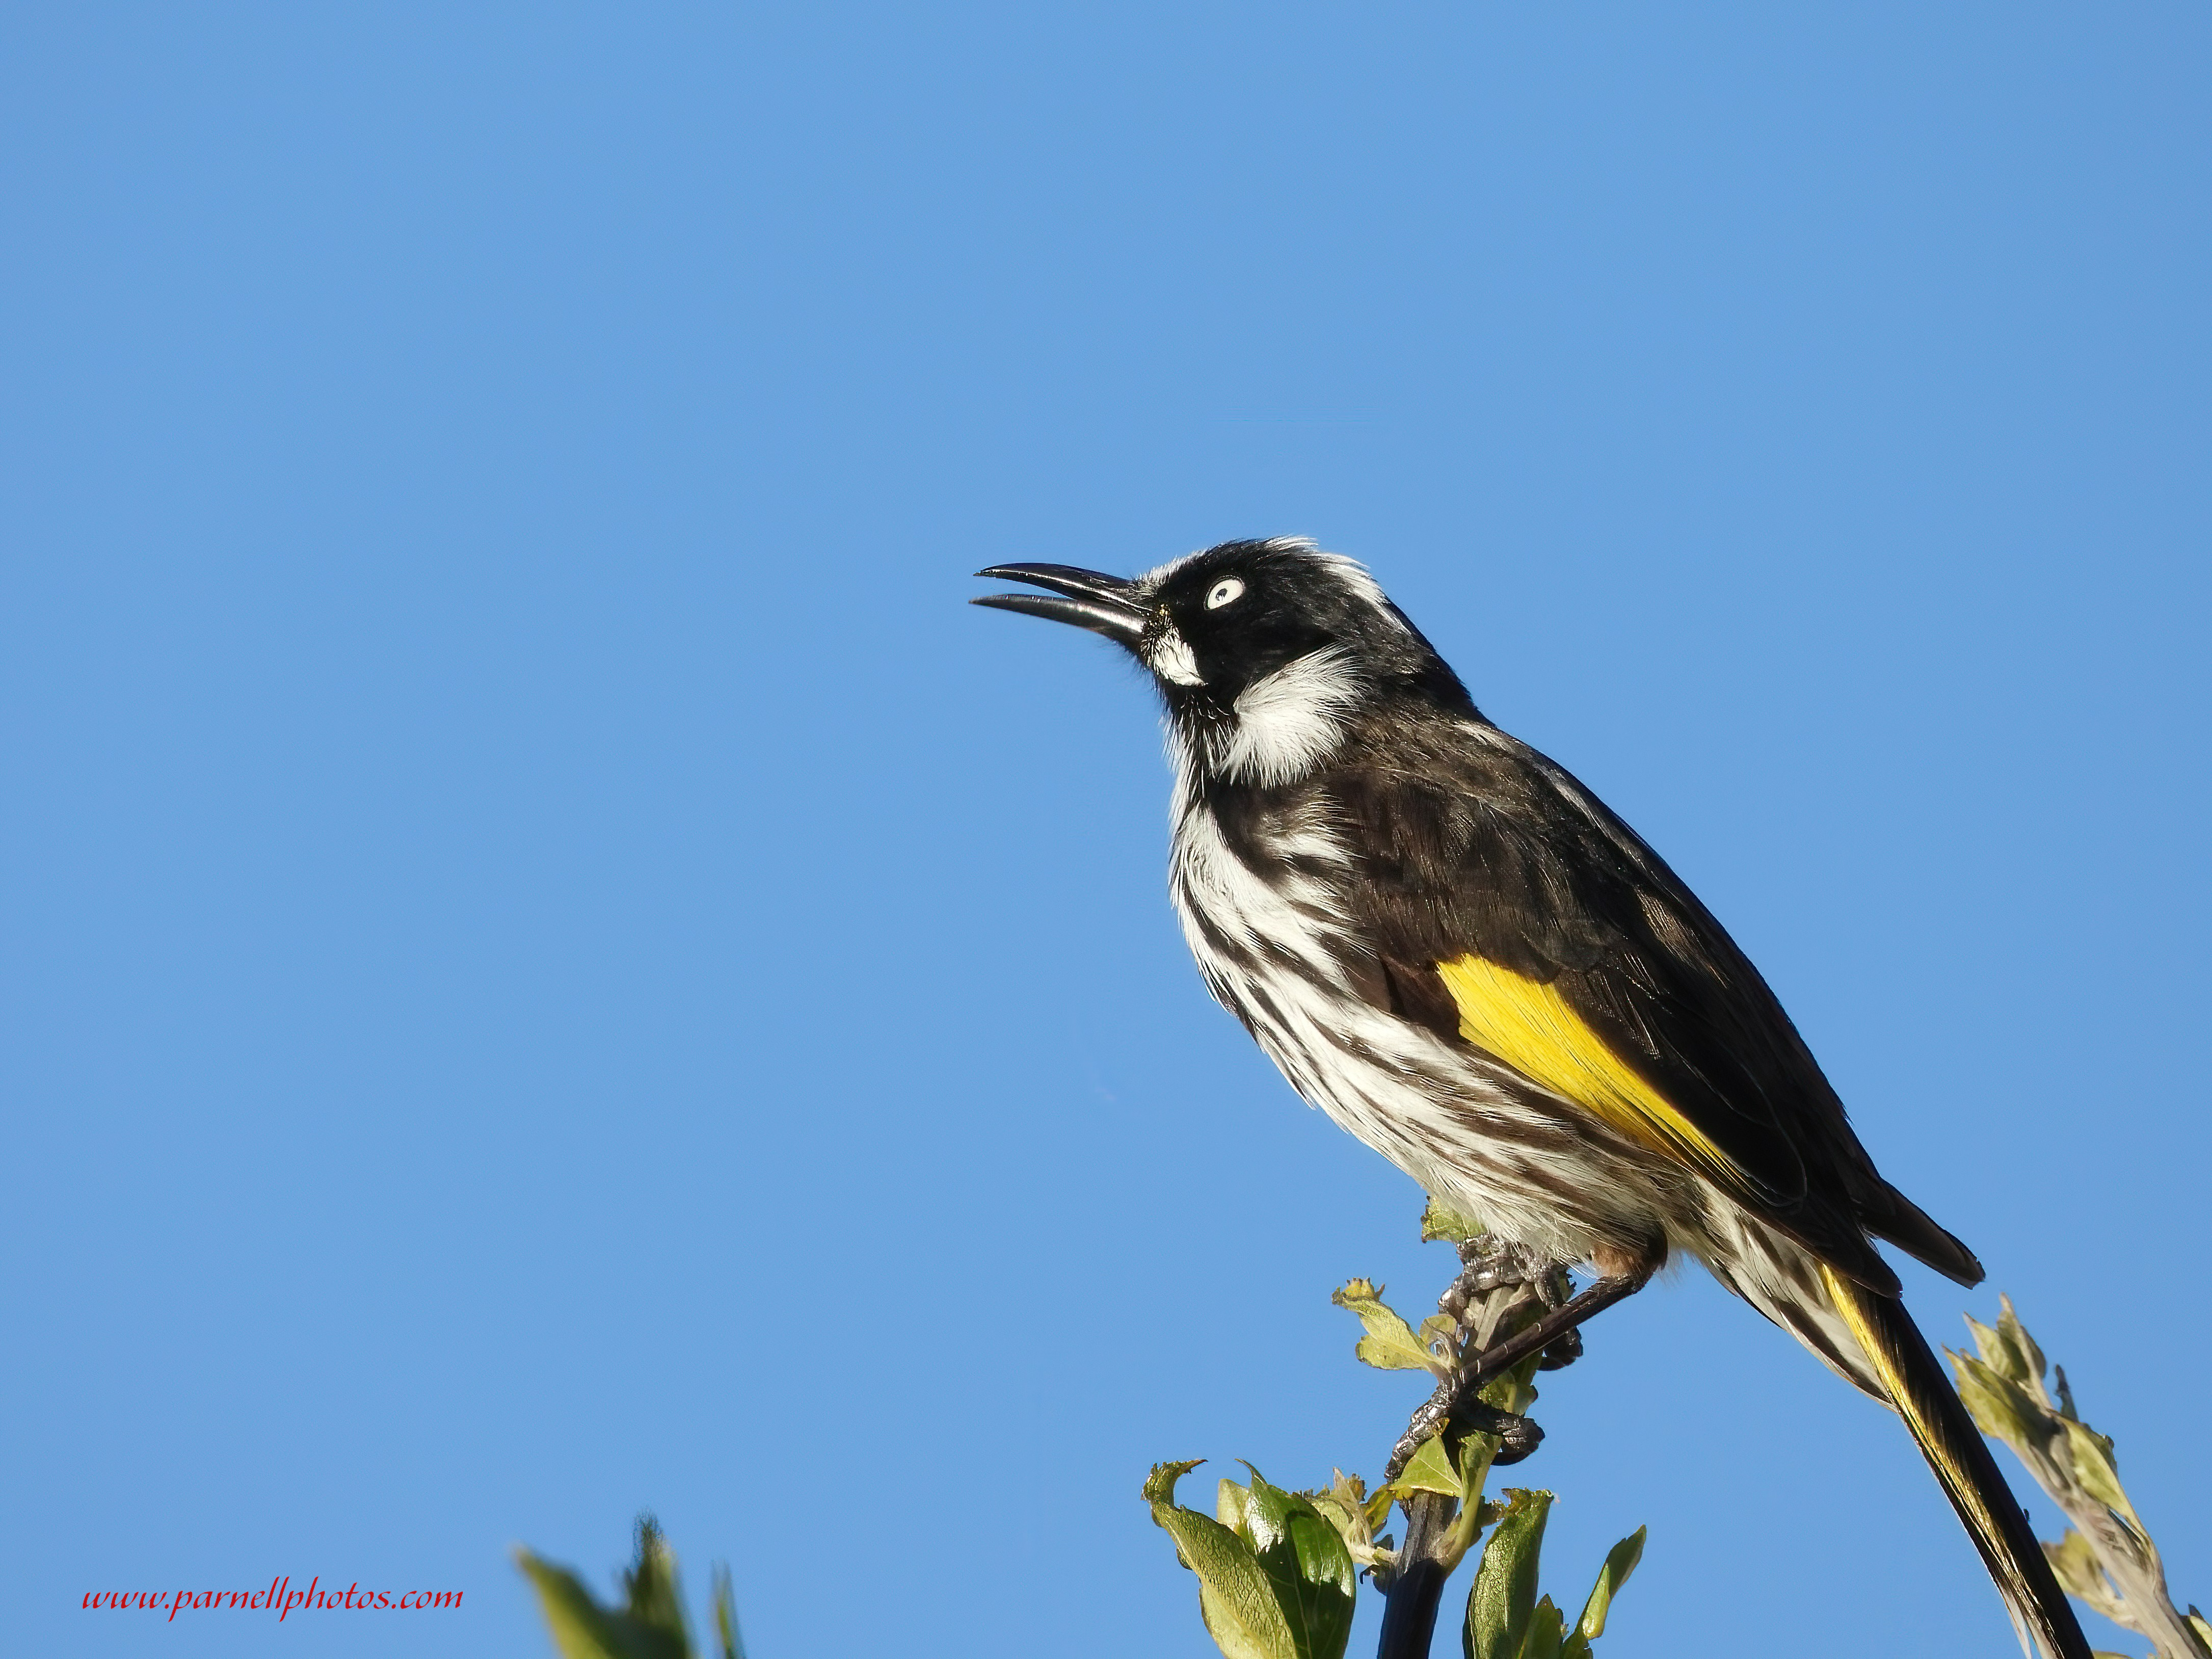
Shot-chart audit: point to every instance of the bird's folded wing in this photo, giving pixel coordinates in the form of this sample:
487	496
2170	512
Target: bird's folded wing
1513	912
1534	1026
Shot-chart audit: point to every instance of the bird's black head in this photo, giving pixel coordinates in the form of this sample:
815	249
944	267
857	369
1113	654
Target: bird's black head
1255	638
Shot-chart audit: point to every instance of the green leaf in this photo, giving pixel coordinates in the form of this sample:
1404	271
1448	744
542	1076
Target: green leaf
1475	1453
1429	1469
2201	1625
1352	1494
1991	1347
650	1626
1160	1484
1229	1500
725	1617
1350	1524
1234	1593
1619	1561
2094	1466
1307	1564
650	1584
582	1629
2027	1356
579	1627
2011	1352
2075	1566
1544	1627
1389	1344
1998	1405
1378	1502
1348	1506
1440	1221
1504	1599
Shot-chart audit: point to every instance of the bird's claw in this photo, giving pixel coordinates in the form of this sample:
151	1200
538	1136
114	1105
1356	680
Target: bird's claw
1564	1350
1489	1263
1517	1436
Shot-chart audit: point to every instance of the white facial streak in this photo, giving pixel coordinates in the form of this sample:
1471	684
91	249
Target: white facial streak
1168	654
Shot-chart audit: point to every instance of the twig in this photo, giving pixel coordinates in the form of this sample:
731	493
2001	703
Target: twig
1417	1582
1451	1405
2107	1558
1503	1289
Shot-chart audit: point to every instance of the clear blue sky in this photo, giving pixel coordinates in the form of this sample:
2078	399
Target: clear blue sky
554	966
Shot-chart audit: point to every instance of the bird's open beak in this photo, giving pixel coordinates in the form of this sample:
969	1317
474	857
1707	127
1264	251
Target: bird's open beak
1105	605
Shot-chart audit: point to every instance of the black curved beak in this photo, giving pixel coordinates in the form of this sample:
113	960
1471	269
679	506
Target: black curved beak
1105	605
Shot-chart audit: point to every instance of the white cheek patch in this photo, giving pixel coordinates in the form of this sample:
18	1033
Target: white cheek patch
1170	656
1292	720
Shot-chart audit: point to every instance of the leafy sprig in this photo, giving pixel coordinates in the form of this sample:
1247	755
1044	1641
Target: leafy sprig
1278	1570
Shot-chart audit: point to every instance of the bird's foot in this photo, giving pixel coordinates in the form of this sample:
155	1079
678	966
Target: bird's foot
1563	1351
1489	1263
1517	1436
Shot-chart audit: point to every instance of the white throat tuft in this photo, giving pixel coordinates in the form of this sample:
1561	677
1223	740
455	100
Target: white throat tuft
1168	654
1290	721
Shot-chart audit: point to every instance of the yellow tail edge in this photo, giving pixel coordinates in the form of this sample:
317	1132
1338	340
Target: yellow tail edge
1960	1461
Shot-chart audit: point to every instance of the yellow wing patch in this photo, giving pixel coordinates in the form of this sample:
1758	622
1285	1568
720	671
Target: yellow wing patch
1532	1028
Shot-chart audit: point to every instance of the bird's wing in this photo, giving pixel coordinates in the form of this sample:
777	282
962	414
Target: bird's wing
1510	910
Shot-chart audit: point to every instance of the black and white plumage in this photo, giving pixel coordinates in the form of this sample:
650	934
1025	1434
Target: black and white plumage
1456	951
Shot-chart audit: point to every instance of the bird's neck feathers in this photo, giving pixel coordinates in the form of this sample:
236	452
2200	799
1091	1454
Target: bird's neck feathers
1279	729
1298	720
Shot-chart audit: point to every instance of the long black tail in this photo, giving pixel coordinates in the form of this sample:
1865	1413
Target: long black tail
1915	1382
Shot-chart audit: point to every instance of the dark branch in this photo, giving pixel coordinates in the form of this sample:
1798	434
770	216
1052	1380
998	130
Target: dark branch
1501	1289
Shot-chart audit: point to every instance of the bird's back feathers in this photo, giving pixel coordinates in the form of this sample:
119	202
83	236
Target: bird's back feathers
1495	895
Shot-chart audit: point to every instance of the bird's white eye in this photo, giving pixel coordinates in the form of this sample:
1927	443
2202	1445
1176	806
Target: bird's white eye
1227	590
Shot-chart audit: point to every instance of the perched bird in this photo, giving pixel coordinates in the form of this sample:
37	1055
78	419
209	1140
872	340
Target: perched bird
1455	950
